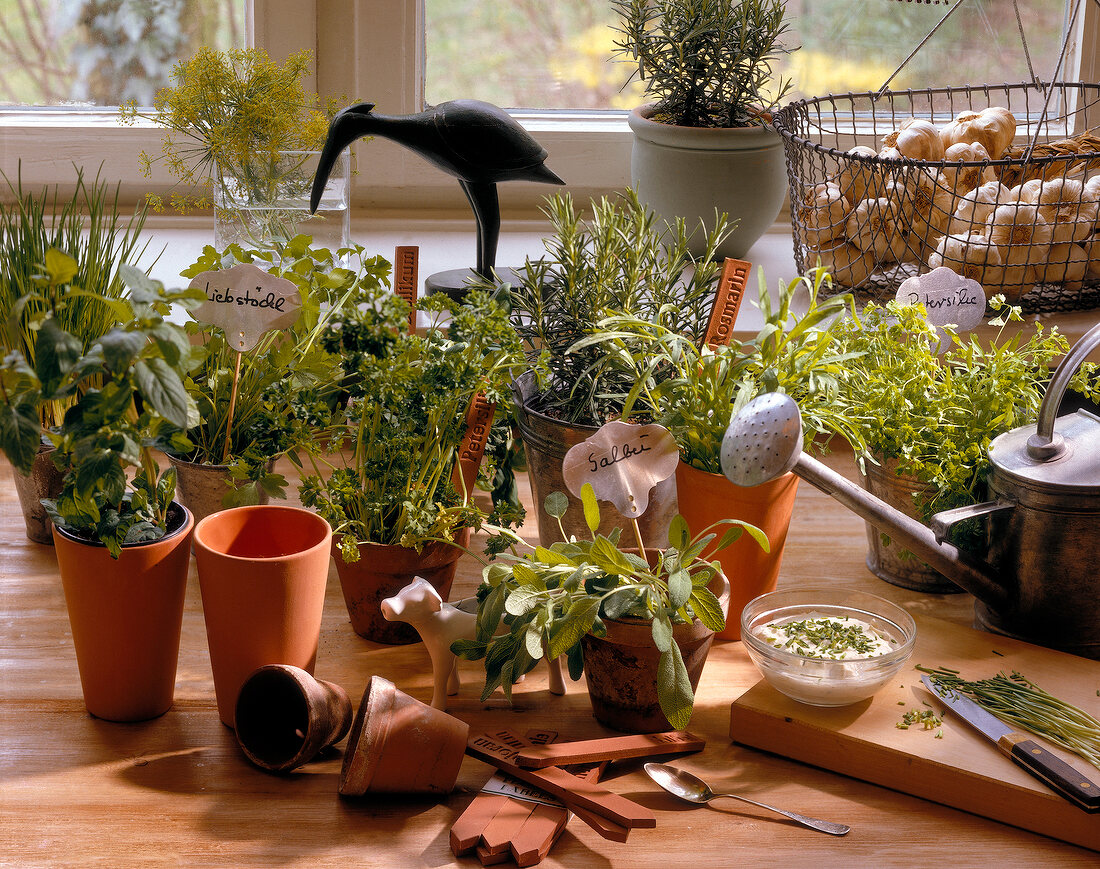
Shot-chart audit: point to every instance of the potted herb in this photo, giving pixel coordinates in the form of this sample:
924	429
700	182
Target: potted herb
287	385
242	137
622	260
391	492
59	259
694	390
926	418
122	542
704	145
638	625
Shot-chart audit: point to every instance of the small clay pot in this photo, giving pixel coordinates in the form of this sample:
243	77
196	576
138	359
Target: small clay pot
262	576
399	745
285	717
382	571
44	481
202	488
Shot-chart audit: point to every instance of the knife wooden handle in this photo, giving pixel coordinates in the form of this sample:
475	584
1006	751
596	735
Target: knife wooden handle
1051	769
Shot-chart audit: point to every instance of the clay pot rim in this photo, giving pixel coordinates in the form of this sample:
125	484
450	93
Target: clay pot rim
640	121
461	538
323	543
185	523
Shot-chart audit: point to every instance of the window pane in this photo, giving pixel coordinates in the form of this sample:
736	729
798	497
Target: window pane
540	54
105	52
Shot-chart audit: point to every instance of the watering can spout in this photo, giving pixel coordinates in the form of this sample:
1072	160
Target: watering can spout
764	441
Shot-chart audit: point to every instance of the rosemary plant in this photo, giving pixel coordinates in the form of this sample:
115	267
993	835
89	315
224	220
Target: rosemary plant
623	261
60	258
707	63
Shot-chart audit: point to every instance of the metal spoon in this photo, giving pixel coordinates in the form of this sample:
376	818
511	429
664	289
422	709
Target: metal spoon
688	787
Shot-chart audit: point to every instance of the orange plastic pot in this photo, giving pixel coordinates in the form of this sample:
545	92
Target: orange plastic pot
262	575
125	616
706	498
382	571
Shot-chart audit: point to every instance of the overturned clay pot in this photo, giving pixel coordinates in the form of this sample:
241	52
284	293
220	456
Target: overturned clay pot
285	717
399	745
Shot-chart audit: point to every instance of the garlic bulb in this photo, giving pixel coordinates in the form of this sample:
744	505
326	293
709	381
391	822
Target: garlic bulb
848	265
1021	232
822	215
973	210
929	206
971	256
875	227
963	179
1061	205
1067	264
1091	192
1091	247
992	128
916	139
1028	192
859	180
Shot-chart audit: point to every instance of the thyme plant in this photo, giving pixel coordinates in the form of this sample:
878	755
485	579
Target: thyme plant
623	260
706	63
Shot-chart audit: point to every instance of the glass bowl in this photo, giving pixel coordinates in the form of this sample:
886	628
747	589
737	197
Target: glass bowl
822	681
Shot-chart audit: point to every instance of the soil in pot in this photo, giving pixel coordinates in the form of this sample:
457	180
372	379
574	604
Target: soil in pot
125	617
383	570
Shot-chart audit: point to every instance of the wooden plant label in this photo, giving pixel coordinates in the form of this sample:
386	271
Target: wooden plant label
727	302
623	462
947	297
479	419
610	748
246	303
405	270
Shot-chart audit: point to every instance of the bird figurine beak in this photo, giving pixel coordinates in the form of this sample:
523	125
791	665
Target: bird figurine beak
349	124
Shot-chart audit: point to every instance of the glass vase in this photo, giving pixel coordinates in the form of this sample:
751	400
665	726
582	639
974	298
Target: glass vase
265	200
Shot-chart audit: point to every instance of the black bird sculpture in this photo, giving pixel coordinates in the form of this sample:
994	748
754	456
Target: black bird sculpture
476	142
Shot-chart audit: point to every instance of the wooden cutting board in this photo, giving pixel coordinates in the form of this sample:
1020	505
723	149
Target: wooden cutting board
962	769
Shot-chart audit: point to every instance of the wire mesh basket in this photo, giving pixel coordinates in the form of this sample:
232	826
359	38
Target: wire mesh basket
1022	221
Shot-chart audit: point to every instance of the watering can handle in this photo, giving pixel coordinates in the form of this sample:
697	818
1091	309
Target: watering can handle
1046	444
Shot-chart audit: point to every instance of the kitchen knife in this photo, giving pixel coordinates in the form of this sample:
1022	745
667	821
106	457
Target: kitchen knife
1024	750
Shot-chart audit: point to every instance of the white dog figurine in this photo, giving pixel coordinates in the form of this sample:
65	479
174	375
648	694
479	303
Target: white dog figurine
440	624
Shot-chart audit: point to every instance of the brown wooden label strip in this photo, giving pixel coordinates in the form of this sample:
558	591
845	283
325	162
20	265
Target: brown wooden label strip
570	790
479	419
405	267
727	301
611	748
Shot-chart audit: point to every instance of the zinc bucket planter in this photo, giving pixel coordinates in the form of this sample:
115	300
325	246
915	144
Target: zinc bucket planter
706	498
383	570
545	442
262	576
125	617
44	481
691	171
620	668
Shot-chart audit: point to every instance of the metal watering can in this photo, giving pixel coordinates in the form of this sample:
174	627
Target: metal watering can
1040	579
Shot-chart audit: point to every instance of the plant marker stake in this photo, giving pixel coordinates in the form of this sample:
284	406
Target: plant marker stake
727	302
232	405
405	269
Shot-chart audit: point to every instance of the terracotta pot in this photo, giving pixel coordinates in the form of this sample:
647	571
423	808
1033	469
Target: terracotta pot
285	717
546	441
621	667
262	575
399	745
202	488
383	570
886	559
705	498
125	617
44	481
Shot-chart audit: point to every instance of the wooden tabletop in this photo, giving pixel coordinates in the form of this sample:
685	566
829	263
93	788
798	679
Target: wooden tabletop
177	791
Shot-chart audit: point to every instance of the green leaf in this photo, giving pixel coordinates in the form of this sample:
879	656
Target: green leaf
522	600
606	556
163	389
591	507
556	504
61	267
662	632
678	534
679	588
574	660
119	348
674	688
619	602
20	434
532	640
470	650
56	352
490	612
575	624
708	609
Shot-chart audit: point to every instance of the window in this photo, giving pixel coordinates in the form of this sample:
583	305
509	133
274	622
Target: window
376	50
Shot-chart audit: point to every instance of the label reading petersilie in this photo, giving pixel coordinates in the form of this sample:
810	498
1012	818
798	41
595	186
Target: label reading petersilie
949	298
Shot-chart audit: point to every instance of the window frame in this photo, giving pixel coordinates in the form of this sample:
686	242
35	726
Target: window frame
369	49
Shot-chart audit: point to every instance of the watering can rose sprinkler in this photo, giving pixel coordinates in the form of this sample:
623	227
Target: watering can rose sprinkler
1039	580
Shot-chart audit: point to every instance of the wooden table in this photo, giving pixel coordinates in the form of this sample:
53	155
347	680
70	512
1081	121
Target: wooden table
177	791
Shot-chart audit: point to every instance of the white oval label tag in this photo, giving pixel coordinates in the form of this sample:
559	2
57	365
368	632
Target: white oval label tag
623	462
948	297
246	302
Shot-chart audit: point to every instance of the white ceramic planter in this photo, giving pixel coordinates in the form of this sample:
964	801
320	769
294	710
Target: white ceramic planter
690	172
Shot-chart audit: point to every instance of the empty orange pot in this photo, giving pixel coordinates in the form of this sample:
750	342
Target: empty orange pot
125	617
706	498
399	745
262	575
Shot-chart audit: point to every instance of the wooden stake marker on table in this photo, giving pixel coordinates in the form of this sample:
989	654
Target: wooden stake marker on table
405	272
611	748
